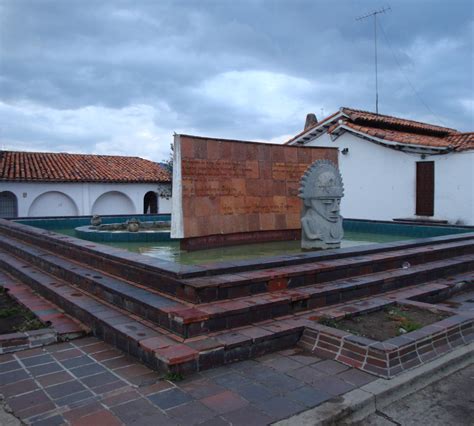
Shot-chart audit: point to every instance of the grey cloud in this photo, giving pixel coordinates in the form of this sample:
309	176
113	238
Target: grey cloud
112	55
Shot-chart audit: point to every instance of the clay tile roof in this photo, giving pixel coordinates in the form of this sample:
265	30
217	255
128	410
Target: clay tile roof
389	122
395	129
60	167
462	141
402	137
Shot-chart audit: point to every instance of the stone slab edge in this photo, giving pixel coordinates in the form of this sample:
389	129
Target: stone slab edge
356	405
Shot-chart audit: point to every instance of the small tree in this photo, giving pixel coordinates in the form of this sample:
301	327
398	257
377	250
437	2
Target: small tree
168	164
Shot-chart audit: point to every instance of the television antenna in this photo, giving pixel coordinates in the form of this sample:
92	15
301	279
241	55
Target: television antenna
360	18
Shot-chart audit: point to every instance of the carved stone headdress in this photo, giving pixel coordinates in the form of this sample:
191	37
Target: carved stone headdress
321	180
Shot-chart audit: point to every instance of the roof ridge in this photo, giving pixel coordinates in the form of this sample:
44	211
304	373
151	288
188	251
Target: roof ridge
392	117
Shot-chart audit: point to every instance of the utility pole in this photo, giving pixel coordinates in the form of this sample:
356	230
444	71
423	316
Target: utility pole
374	14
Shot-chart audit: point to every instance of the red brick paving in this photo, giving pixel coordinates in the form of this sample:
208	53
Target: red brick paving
125	391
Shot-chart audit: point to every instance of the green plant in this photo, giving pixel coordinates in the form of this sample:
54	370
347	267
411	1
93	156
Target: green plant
29	324
329	322
9	312
174	377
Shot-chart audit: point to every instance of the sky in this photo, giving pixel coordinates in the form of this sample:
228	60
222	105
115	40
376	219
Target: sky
120	77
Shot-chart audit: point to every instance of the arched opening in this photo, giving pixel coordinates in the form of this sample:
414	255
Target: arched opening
8	204
113	202
53	203
150	203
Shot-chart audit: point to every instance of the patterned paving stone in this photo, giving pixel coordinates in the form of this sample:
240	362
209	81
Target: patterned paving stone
216	421
333	385
99	379
256	392
248	416
356	377
305	359
108	387
224	402
329	366
169	398
127	395
73	398
37	360
155	387
102	418
45	408
54	378
139	411
65	389
43	369
232	380
283	364
307	374
191	413
279	407
12	377
308	396
18	403
67	354
280	382
17	387
29	353
9	366
203	388
82	409
77	362
55	420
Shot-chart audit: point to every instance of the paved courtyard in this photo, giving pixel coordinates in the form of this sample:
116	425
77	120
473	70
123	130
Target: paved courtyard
88	382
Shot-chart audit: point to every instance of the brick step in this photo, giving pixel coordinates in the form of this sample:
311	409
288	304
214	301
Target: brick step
394	355
240	284
133	298
205	318
156	347
224	280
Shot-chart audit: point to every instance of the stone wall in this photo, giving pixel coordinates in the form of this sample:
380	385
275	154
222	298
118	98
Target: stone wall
236	187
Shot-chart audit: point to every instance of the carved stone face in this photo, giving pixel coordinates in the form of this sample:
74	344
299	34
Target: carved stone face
327	208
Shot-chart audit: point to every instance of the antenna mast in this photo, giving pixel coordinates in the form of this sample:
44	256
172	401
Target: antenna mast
374	14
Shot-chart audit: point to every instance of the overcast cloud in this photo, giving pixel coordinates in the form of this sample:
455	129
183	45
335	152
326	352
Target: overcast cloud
119	77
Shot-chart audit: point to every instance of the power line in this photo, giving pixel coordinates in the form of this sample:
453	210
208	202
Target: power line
406	77
374	14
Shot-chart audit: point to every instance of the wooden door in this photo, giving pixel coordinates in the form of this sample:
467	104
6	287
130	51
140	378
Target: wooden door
425	188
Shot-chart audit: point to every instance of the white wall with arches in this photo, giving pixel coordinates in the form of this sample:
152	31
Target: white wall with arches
35	199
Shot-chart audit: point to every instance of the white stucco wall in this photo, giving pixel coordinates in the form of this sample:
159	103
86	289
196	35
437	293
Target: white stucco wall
380	183
71	199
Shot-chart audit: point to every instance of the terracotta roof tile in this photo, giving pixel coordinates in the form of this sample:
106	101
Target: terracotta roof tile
389	122
402	137
55	167
462	141
397	129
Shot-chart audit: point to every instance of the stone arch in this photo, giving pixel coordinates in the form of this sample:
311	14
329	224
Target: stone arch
113	202
8	204
53	203
150	203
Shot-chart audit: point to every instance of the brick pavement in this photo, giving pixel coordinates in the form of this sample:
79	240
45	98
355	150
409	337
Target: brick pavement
88	382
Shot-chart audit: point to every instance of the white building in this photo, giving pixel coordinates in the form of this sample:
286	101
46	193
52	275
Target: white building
398	169
34	184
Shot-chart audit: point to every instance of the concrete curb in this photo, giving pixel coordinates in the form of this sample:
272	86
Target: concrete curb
356	405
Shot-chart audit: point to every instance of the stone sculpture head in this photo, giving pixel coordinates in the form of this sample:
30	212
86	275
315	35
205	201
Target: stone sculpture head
322	190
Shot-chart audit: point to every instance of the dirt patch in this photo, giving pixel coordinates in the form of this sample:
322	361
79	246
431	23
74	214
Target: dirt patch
14	317
386	323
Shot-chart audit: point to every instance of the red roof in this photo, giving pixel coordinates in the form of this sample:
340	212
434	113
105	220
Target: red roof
54	167
395	129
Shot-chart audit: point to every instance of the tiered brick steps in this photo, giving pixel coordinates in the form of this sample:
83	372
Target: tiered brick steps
58	325
183	319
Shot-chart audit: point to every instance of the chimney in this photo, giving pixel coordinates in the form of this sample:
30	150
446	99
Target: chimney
311	120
